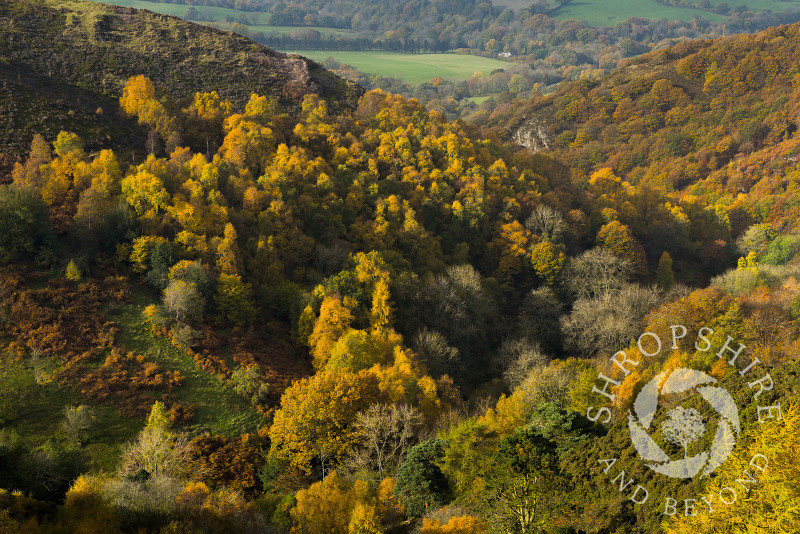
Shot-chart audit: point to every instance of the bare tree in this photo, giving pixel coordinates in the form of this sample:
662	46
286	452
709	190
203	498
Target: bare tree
154	498
606	323
158	452
547	222
432	347
463	311
683	427
539	319
386	432
547	383
182	300
517	358
596	272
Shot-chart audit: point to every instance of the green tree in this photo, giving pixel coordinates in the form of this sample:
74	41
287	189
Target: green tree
421	484
25	221
523	475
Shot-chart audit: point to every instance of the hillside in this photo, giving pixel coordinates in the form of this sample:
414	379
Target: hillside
302	316
705	117
78	55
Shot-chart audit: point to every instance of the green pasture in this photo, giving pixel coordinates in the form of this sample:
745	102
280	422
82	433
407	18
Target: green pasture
605	13
411	68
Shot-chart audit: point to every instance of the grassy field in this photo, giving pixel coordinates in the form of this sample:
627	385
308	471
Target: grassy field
605	13
218	409
411	68
477	100
609	12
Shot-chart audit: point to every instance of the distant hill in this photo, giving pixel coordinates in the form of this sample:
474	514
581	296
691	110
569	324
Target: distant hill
63	65
700	116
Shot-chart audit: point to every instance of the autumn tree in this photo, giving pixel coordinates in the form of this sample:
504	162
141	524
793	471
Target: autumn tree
139	98
547	261
761	474
228	255
233	300
333	321
144	191
324	507
182	300
317	417
85	509
463	524
357	350
382	312
72	272
618	239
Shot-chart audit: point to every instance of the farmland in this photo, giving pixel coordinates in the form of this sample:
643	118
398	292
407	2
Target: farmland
411	68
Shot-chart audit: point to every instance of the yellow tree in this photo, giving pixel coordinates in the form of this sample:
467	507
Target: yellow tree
144	191
85	511
139	99
767	500
547	260
316	126
228	255
618	238
382	312
323	507
334	320
333	505
317	417
464	524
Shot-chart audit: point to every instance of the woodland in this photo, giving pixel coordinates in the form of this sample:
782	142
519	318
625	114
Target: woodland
309	308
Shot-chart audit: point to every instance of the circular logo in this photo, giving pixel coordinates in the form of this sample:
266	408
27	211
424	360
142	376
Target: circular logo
683	426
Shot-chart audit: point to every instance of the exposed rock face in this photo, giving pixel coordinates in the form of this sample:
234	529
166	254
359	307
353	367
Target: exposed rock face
533	135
